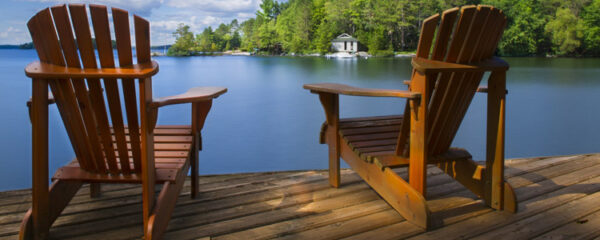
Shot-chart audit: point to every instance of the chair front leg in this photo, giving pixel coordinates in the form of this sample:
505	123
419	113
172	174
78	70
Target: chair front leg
417	170
494	179
331	106
37	223
199	112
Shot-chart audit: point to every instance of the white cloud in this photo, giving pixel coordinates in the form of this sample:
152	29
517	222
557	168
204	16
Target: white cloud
13	35
165	24
164	15
210	20
141	7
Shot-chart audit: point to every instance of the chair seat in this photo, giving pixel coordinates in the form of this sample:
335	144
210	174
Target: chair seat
374	140
371	137
172	146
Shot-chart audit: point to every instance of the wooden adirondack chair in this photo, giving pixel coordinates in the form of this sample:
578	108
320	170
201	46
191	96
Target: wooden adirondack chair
443	84
121	153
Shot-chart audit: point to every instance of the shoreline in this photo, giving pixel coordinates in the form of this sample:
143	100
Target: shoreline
399	55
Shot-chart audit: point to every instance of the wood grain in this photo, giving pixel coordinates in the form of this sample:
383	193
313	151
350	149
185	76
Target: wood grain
44	70
335	88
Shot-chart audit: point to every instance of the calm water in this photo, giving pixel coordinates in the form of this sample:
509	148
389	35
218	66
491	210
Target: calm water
267	122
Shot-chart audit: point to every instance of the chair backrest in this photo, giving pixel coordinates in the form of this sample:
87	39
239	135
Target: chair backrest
470	38
98	147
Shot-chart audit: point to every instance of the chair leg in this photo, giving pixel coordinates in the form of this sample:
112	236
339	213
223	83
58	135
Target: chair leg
95	190
194	165
331	106
59	196
334	163
396	191
510	199
165	203
494	177
199	112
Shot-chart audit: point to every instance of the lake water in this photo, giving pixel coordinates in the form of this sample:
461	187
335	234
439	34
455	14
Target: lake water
267	122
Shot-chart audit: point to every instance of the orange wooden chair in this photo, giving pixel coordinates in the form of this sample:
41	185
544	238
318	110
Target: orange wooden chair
107	149
451	59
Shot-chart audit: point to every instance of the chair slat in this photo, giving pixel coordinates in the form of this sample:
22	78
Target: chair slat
122	35
423	50
67	42
62	90
439	53
105	54
142	39
443	35
427	35
81	26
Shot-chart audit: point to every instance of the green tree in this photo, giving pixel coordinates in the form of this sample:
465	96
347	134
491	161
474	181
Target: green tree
248	27
221	36
184	42
591	34
294	26
525	34
566	31
205	40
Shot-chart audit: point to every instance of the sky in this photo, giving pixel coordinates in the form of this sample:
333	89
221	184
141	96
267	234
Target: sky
164	15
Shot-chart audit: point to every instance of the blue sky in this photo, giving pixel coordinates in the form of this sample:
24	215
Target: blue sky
164	15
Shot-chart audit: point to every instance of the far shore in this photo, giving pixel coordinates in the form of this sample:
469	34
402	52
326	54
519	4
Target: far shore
159	52
360	54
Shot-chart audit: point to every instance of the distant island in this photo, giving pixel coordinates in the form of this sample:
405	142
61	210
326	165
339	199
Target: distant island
28	45
385	27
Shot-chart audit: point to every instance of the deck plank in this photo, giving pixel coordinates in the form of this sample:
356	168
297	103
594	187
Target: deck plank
585	227
486	222
559	197
529	227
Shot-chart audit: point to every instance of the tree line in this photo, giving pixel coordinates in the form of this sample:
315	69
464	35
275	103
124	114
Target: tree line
535	27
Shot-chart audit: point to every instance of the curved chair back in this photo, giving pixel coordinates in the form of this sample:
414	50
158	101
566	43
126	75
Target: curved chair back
101	141
469	38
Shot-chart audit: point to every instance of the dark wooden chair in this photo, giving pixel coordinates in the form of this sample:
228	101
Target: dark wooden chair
451	59
108	147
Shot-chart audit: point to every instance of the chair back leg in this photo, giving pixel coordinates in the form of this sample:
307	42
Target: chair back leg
95	190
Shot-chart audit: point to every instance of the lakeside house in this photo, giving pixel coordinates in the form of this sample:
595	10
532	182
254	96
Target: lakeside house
345	43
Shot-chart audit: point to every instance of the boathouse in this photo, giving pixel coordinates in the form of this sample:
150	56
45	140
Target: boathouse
344	43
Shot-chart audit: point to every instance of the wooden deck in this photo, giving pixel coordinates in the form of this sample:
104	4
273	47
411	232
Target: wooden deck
559	197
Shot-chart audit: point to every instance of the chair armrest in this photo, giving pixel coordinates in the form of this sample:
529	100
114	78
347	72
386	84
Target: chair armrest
39	69
354	91
196	94
427	66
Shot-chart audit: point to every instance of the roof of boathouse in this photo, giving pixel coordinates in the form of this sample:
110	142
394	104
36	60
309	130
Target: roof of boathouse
344	37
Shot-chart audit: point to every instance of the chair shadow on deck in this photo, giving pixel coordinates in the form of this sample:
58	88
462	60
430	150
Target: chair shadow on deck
531	186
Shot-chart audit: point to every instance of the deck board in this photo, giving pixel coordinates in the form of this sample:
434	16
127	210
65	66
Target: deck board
559	197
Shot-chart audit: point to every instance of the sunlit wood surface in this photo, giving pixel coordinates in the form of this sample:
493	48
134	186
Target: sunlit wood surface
558	197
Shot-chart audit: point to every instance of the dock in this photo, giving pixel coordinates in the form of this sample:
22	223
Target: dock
559	198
